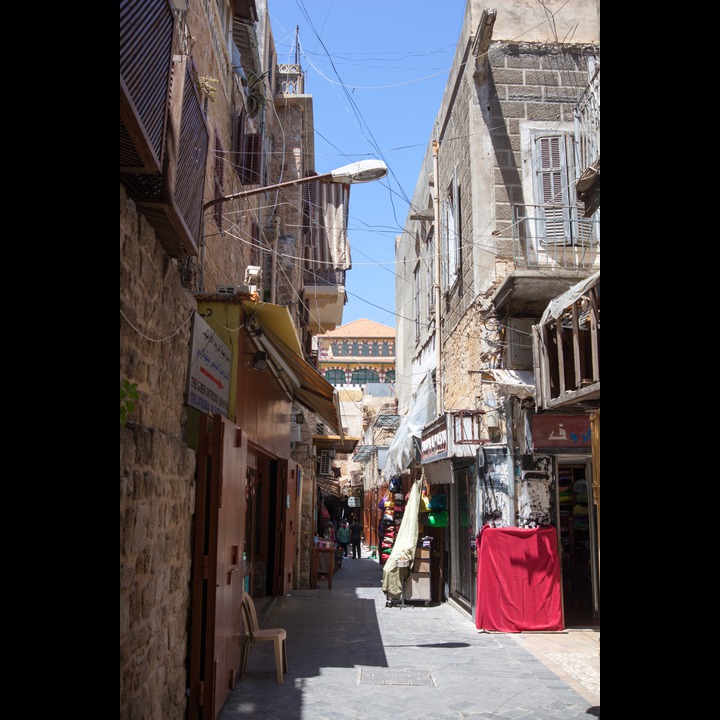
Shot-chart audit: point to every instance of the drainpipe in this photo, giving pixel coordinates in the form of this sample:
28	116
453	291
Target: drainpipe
438	334
512	487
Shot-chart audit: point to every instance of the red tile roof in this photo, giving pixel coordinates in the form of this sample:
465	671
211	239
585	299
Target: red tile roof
362	328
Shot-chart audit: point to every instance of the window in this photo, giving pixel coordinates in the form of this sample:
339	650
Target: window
554	218
430	265
251	159
385	349
451	255
417	309
245	152
364	375
519	345
552	185
389	376
335	377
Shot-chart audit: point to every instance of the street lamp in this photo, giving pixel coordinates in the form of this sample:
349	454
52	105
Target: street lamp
357	172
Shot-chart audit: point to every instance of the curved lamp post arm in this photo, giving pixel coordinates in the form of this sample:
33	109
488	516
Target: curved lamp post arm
357	172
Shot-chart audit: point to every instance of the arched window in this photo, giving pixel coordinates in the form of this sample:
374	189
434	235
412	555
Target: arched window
355	348
389	376
375	348
335	377
385	348
364	375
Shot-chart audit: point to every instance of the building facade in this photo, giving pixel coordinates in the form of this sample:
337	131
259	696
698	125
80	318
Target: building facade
494	233
217	361
357	353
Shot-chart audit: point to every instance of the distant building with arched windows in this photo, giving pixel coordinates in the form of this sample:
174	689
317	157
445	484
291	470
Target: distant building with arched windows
360	352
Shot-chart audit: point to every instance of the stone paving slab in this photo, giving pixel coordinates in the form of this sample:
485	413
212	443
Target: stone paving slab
350	657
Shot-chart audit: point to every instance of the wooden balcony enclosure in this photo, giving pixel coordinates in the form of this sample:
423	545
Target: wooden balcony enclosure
164	137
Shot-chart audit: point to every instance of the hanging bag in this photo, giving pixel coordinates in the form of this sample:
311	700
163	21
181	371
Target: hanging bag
438	502
438	518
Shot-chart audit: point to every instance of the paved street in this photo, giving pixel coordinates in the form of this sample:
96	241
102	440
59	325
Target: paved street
351	657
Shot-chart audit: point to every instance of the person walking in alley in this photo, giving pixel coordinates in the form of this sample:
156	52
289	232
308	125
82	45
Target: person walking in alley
343	536
356	532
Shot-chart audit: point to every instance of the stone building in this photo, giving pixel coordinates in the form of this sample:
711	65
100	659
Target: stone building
495	232
358	358
219	197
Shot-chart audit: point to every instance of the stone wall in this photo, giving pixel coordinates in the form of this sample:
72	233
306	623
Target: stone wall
157	477
529	82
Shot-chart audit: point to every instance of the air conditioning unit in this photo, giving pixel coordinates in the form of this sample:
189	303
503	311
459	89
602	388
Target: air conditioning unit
325	463
232	289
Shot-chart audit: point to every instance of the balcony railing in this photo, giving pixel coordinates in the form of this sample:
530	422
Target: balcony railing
555	236
587	125
324	277
566	348
290	79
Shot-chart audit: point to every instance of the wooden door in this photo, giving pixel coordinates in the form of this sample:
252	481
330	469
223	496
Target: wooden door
288	502
217	583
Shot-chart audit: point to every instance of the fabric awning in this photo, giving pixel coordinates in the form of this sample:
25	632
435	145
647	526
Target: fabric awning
558	305
401	451
279	338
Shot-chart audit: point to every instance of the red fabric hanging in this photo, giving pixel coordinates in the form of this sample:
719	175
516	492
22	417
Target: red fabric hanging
518	580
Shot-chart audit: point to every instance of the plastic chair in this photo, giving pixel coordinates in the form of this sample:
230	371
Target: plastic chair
254	633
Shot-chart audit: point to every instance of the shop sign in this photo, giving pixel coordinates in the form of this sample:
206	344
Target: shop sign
434	441
208	388
560	431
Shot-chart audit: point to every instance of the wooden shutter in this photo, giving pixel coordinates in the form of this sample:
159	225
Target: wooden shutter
551	187
238	144
251	159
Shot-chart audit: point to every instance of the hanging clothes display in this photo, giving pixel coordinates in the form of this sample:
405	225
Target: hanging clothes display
404	545
392	507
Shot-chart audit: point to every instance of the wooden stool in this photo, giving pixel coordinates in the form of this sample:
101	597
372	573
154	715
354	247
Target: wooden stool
324	565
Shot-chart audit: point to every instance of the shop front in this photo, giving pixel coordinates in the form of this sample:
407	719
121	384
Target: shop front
245	371
567	439
448	457
490	485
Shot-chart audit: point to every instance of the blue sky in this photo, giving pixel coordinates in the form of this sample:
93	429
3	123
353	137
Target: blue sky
377	71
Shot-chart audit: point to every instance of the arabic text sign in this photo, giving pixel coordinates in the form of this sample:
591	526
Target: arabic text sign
560	431
209	374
